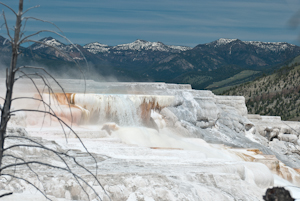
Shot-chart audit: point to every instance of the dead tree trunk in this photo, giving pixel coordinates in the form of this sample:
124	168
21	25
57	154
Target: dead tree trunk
10	78
69	162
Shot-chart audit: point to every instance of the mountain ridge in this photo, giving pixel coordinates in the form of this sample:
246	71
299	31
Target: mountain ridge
155	61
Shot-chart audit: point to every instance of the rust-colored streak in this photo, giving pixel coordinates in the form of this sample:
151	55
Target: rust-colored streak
64	99
257	151
66	110
73	99
297	170
146	112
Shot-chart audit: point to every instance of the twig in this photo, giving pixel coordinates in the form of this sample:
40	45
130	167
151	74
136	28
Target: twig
6	194
9	8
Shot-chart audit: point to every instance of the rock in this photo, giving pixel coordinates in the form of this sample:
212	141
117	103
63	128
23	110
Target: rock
277	194
288	138
271	132
109	127
17	131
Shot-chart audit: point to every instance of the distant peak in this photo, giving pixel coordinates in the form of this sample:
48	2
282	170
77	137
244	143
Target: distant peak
227	39
96	47
96	43
224	41
143	45
141	41
49	39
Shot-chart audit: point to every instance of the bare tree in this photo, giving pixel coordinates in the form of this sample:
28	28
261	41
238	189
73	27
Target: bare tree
9	162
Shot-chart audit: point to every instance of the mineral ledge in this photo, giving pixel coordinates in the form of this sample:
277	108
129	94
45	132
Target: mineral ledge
152	142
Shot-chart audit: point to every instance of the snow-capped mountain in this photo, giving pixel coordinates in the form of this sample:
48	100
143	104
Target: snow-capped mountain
221	41
60	50
96	47
272	46
180	48
156	61
268	46
48	41
138	45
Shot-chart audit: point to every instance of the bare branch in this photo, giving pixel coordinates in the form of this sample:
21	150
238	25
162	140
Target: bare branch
40	94
291	127
51	166
37	89
18	158
9	8
29	40
34	41
28	183
31	162
7	113
6	25
26	75
2	25
40	68
34	18
34	34
40	111
46	104
41	146
4	42
44	70
30	9
6	194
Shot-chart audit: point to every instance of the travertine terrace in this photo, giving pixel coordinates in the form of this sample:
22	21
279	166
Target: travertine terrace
157	141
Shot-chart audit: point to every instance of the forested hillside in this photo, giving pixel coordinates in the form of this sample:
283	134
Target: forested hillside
276	94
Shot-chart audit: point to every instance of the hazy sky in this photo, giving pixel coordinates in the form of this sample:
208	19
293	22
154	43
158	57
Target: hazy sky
173	22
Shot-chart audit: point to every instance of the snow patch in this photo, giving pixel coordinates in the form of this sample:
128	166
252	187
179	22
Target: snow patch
224	41
137	45
51	42
143	45
96	48
153	46
181	48
271	46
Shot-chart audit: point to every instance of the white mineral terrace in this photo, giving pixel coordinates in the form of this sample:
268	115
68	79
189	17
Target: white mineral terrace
153	142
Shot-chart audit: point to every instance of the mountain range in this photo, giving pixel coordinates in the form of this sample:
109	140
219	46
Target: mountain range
219	64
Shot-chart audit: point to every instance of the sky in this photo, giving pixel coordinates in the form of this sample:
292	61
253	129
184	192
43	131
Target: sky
173	22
